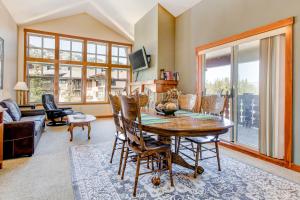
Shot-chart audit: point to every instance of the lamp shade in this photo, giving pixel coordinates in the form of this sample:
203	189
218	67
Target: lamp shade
21	86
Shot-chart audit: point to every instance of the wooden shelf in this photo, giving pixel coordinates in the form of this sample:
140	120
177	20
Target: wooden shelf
156	86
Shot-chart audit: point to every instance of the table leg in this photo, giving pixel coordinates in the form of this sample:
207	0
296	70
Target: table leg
89	130
177	159
71	132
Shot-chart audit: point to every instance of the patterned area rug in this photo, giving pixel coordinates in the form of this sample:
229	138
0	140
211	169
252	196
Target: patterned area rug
95	178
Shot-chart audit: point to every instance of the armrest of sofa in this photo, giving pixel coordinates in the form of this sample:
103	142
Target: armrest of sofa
17	130
26	113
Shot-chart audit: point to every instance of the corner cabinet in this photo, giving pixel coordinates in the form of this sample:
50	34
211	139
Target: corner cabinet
1	137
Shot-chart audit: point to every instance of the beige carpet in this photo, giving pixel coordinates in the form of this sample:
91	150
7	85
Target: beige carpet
47	174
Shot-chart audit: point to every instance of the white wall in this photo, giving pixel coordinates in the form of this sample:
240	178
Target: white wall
78	25
8	31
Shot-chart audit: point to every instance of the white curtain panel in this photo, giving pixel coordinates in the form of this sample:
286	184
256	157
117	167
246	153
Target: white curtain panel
272	96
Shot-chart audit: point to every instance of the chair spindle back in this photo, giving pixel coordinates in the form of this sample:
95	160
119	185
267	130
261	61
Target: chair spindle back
131	118
213	104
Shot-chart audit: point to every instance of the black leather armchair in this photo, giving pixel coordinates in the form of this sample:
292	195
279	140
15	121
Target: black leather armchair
53	112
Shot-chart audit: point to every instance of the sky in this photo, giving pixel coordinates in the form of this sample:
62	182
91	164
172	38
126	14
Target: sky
248	70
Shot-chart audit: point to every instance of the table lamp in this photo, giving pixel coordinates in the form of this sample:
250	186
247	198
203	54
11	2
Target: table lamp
21	88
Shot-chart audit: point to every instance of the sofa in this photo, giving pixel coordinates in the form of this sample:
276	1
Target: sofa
22	130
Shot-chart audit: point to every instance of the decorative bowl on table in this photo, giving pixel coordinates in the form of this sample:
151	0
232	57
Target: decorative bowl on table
166	108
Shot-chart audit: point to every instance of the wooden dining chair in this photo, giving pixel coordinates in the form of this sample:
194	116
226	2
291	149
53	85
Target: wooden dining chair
120	139
186	102
131	118
214	105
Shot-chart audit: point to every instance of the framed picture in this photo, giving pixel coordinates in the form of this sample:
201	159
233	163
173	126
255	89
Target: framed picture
1	62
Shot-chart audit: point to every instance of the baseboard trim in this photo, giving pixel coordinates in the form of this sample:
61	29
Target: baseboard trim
295	167
104	116
258	155
253	153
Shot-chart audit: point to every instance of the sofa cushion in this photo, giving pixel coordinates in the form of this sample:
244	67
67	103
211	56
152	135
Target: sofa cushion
40	118
12	109
7	118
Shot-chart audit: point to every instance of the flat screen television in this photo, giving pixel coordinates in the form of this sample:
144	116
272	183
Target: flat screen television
139	60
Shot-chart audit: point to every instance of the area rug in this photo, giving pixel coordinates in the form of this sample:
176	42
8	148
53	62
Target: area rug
93	178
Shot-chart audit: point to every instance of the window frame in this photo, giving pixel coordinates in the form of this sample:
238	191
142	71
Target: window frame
84	63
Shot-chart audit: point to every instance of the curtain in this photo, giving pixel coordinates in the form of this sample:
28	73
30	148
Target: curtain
271	98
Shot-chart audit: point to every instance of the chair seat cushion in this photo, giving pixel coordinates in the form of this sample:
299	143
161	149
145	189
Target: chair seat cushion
155	145
202	140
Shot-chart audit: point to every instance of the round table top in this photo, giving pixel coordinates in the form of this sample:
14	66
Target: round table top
74	119
187	126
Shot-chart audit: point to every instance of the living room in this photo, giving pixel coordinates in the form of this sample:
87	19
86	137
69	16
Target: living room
71	69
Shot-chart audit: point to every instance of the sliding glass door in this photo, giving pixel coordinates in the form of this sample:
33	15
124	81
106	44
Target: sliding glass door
247	94
218	79
234	72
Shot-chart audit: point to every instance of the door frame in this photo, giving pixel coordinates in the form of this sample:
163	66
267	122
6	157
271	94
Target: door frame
288	115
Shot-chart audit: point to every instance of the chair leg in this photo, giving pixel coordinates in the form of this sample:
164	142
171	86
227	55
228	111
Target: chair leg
148	162
152	163
121	157
176	138
137	174
192	144
178	144
125	162
196	160
218	156
169	154
200	149
113	150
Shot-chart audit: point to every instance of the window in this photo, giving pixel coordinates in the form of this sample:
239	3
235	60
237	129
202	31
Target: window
40	80
96	84
119	55
96	52
70	83
80	70
70	49
119	80
40	46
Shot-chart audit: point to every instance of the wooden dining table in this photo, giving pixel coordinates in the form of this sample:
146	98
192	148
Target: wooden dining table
185	126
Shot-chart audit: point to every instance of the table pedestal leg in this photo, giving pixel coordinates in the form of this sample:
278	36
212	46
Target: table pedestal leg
176	158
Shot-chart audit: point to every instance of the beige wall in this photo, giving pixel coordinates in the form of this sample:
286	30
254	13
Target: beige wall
8	31
146	34
156	32
212	20
166	40
79	25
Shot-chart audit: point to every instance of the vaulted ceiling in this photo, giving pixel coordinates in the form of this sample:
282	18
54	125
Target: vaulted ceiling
119	15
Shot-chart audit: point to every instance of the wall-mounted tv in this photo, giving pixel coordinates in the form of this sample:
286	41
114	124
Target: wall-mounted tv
139	60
